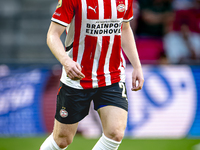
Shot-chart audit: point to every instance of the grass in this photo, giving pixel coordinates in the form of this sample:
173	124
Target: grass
80	143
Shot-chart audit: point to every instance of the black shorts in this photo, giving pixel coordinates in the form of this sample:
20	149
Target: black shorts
73	104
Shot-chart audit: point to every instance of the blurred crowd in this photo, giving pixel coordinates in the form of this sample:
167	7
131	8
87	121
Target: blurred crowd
167	31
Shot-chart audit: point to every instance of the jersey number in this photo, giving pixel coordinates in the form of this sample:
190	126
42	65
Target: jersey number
122	86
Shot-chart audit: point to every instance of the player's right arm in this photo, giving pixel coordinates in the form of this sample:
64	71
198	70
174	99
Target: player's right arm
72	68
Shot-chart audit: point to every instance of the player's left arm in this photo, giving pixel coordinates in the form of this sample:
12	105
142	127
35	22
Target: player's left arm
129	47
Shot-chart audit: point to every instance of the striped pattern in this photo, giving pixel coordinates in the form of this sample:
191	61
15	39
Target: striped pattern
96	32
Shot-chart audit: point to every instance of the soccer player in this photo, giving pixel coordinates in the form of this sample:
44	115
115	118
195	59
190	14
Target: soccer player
93	68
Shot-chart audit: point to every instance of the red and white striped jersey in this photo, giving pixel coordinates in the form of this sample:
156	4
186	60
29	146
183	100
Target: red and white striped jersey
94	39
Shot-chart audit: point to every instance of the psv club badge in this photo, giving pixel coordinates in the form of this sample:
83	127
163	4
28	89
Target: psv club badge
63	113
121	7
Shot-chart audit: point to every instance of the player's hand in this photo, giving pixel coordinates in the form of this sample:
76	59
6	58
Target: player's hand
137	79
73	70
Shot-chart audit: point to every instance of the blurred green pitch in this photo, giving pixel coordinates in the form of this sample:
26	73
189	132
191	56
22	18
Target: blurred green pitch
80	143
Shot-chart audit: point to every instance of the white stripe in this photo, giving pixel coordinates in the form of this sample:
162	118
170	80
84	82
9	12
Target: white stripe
60	22
98	48
124	61
126	4
96	61
122	69
107	61
82	36
101	10
114	9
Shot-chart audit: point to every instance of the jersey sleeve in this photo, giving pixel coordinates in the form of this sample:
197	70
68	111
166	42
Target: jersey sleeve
64	12
129	12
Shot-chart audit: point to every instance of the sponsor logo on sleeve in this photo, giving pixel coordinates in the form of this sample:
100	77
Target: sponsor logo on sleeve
59	4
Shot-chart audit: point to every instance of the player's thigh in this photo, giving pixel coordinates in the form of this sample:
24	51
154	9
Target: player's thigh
114	120
64	132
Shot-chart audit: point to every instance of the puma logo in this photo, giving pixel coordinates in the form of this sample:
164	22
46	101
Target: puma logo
94	9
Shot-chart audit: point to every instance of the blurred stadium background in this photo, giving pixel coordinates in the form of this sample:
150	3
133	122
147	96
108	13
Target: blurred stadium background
164	115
